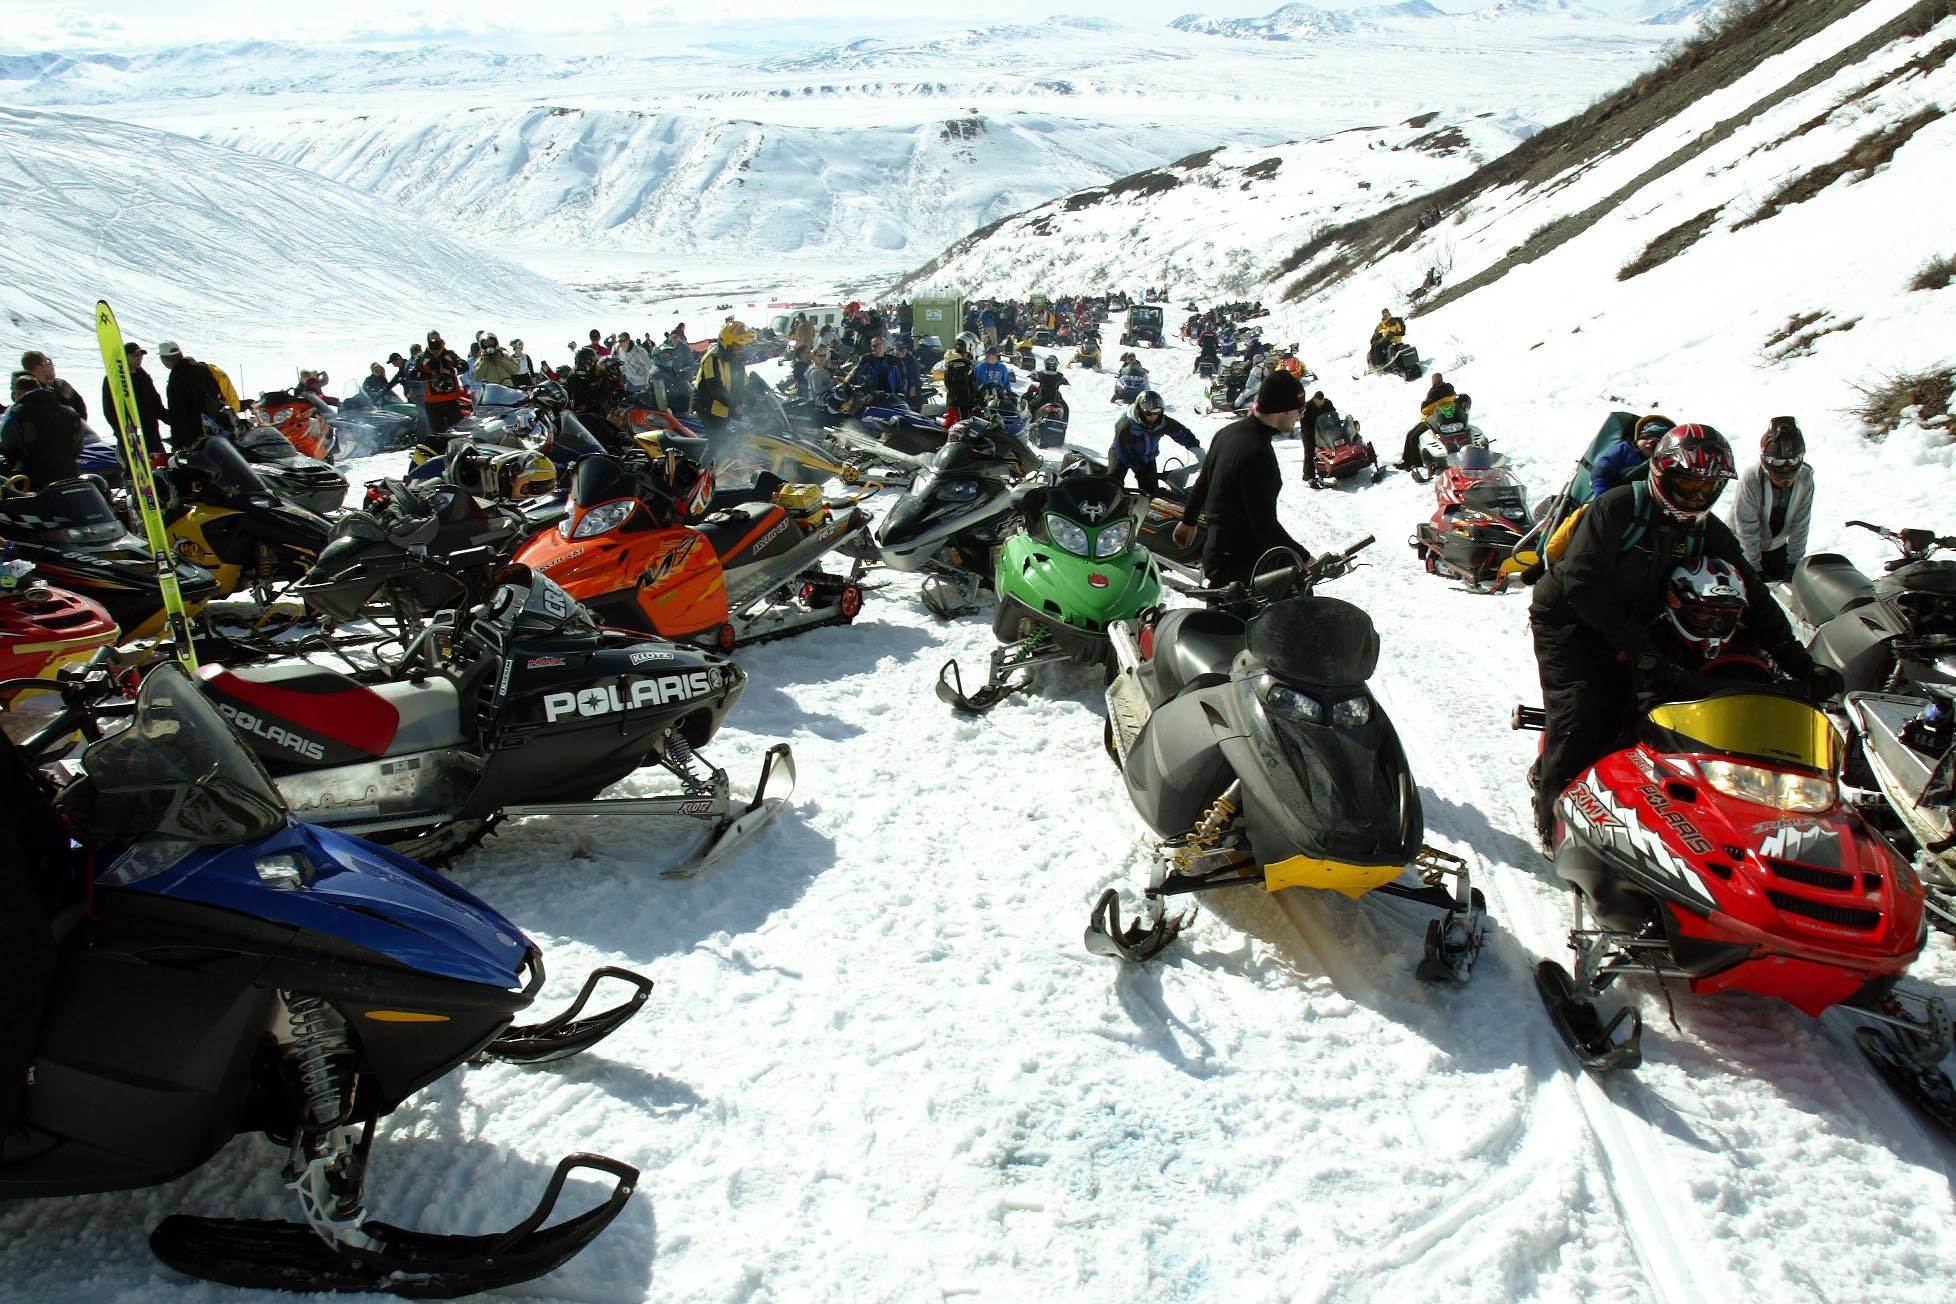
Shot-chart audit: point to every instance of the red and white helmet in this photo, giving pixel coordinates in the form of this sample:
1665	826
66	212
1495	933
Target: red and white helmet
1688	471
1705	602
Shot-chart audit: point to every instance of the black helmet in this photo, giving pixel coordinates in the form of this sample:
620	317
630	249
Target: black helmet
1147	407
1052	362
1783	449
586	359
1688	471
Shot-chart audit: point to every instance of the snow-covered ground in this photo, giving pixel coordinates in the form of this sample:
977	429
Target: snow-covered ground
879	1065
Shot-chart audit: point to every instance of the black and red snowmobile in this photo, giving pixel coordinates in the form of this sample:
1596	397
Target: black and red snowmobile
1715	850
1480	512
1340	453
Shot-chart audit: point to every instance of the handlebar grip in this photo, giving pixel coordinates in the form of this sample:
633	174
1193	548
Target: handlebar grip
1865	526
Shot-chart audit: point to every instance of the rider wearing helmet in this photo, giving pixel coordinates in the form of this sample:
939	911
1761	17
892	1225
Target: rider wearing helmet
1594	611
1775	502
722	378
1045	387
1704	605
960	379
1138	433
593	389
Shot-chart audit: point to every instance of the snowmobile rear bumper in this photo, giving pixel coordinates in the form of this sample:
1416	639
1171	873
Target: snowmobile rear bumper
271	1255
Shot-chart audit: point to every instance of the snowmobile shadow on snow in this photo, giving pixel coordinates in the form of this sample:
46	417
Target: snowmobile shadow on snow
1468	826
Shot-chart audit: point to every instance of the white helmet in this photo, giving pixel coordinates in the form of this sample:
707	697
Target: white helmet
1705	603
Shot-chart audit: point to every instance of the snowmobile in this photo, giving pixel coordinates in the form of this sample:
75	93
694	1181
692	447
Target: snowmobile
1253	747
1087	355
1716	849
643	549
238	971
77	542
1128	386
772	441
305	482
1889	635
521	706
43	628
222	517
363	428
1229	392
1072	570
1051	426
1905	749
1445	431
1394	358
294	417
1173	479
1480	514
1142	326
950	524
1341	453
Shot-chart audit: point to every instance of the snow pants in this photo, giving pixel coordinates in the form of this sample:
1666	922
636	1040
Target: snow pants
1586	694
26	941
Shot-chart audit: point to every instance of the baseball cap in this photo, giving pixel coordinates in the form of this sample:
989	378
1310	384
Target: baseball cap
169	349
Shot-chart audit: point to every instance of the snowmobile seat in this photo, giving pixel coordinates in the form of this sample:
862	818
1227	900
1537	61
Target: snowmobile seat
748	532
1193	643
389	719
1828	584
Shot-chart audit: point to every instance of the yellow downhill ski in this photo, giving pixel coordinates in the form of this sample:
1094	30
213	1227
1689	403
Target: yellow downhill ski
128	423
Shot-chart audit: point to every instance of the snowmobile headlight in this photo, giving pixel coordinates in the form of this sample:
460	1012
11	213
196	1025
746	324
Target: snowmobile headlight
1291	704
955	491
1781	789
603	517
1113	539
1067	534
284	872
1352	712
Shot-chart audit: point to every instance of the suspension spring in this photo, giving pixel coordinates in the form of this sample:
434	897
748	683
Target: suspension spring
1210	829
318	1041
685	764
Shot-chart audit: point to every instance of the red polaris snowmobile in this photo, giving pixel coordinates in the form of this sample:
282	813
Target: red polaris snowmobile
1341	453
1481	512
1716	851
43	628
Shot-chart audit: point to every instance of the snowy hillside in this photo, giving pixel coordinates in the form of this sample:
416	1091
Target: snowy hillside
872	153
203	243
1218	220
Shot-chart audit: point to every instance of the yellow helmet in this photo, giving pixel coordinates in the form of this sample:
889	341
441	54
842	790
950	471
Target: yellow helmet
734	334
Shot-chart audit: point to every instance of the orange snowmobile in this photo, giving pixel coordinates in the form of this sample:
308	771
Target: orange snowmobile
299	421
648	546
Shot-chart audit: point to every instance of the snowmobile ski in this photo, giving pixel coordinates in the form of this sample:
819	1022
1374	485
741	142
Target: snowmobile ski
1914	1075
142	484
1595	1044
1147	937
1006	662
274	1255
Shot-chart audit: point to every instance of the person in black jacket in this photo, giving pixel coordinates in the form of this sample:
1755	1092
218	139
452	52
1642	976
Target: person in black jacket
1137	441
41	437
960	386
149	403
192	397
1236	493
32	847
1593	612
41	367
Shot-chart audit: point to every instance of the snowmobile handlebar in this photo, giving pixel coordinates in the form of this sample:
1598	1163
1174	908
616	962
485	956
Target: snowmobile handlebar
1913	543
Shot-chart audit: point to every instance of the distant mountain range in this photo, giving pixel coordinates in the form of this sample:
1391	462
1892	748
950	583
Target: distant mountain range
1301	21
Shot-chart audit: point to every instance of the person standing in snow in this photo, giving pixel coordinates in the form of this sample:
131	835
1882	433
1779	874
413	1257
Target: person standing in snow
149	403
41	367
40	436
1775	503
634	364
960	383
440	372
495	367
1236	493
192	400
721	379
1138	433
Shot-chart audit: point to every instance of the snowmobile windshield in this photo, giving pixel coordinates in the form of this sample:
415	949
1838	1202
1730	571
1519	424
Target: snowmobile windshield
572	439
1315	641
266	444
500	396
1145	317
1497	494
71	512
601	479
179	771
1779	731
225	467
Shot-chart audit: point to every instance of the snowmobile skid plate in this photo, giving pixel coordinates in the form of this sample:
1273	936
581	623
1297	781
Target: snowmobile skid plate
730	829
1000	684
571	1032
1595	1044
1140	941
271	1255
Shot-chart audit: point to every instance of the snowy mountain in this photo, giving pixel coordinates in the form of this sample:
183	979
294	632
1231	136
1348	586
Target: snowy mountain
197	242
884	147
1293	21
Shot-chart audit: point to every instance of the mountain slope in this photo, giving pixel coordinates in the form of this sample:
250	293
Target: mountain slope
195	239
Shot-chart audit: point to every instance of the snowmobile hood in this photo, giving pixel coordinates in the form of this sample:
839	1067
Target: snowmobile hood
937	506
1084	593
342	890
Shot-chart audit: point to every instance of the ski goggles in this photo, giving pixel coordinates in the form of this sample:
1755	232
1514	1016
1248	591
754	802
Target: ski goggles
1783	466
1693	493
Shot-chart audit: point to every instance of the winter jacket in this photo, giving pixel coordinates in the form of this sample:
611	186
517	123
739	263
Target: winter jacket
1049	384
1617	465
817	385
718	383
960	383
635	364
149	407
1139	445
496	368
1752	514
440	375
69	397
1236	497
192	395
884	374
41	438
992	373
1611	580
591	391
378	389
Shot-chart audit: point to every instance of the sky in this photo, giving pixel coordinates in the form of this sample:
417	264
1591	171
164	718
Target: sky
26	25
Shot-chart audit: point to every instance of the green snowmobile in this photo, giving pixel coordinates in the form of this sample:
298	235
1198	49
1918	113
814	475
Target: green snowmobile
1061	581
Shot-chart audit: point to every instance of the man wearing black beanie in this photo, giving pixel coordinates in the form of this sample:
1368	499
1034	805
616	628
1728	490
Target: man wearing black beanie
1235	496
